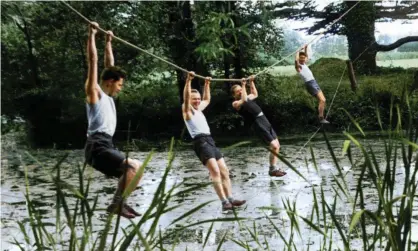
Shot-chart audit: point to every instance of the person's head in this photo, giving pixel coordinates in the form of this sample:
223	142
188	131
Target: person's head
236	91
195	99
112	80
302	57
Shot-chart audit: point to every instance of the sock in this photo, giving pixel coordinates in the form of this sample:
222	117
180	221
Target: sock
224	201
230	198
272	168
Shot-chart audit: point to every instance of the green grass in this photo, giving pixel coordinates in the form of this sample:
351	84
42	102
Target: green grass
289	70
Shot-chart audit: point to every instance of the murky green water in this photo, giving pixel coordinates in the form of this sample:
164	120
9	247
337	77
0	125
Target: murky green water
250	181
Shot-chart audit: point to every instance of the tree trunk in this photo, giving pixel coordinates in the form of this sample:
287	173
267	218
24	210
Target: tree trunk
83	57
237	48
182	44
31	58
359	29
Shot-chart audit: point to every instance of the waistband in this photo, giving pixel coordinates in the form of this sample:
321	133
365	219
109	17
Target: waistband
103	134
310	81
201	135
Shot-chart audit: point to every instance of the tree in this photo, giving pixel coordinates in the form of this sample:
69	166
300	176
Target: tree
358	25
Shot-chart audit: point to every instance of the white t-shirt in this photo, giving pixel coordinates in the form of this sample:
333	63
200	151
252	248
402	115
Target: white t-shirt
305	73
197	124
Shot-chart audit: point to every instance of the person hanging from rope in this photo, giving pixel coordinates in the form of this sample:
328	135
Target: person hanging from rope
100	152
310	83
203	143
253	115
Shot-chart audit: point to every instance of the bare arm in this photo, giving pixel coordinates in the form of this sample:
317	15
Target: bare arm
187	113
306	51
91	86
237	104
206	95
254	92
108	57
297	65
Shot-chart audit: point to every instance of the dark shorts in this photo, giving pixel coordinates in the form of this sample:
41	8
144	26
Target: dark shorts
102	155
312	87
264	129
205	148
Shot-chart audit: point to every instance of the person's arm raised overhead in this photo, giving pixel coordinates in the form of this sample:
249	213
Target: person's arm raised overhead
306	52
254	92
237	104
297	65
206	95
92	86
187	92
108	57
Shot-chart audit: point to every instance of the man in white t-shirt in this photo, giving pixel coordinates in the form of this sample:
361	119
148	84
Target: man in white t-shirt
310	83
100	151
203	143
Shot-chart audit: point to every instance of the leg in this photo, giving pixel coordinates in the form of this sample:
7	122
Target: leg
275	147
321	106
215	175
226	183
132	167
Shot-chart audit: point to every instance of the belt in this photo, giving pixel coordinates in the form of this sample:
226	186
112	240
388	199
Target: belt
102	134
201	135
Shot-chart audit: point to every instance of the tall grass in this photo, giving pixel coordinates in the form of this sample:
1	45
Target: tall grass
387	227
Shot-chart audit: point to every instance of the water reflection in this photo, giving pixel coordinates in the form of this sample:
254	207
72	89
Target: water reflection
250	181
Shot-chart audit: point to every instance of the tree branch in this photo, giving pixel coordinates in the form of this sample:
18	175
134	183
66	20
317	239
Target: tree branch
399	42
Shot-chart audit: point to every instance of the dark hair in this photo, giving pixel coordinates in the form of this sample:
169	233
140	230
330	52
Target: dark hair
301	53
194	91
233	89
113	72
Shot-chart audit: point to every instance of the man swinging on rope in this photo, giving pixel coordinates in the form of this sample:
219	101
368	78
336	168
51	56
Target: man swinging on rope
252	114
101	113
310	83
203	144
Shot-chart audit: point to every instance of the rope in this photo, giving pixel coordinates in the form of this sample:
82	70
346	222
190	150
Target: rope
312	40
335	94
329	110
197	75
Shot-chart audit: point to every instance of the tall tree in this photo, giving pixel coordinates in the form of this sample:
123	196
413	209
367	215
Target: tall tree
180	33
358	25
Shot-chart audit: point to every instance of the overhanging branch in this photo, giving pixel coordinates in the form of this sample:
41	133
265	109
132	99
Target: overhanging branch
396	44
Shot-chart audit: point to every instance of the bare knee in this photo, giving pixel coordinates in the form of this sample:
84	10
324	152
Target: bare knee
224	173
215	174
213	167
135	164
275	145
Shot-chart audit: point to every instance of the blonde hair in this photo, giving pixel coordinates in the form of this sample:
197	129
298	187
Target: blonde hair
233	89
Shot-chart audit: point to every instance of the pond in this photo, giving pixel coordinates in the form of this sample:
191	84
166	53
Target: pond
265	196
